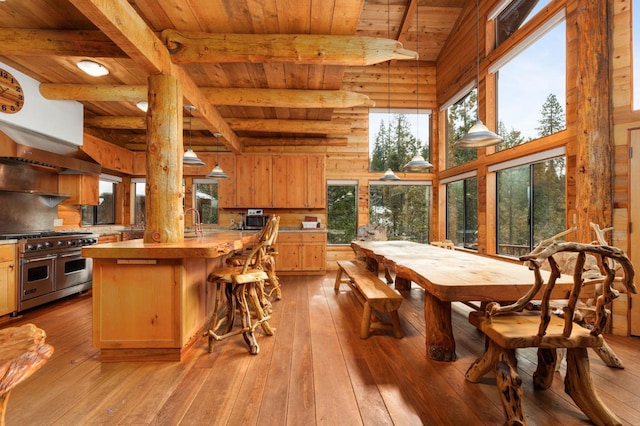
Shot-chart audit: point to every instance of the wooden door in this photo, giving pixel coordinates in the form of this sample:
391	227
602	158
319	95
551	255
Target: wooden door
253	181
289	181
634	235
227	187
316	182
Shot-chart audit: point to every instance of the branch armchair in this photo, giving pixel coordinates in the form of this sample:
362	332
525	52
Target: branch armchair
510	327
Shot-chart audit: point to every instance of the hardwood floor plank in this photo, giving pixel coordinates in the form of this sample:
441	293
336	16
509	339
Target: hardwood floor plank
301	406
334	395
315	370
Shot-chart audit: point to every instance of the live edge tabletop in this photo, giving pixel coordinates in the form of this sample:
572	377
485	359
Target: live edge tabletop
448	276
211	245
151	302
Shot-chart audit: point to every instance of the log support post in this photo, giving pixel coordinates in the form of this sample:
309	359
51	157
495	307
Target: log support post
163	209
594	146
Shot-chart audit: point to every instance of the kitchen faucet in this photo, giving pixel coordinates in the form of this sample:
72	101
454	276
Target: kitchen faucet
197	224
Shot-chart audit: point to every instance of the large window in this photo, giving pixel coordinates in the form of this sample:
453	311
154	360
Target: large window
402	208
105	212
342	211
462	212
396	136
206	199
531	85
531	204
460	115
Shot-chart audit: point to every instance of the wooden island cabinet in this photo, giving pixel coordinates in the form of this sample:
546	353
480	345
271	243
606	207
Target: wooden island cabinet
151	301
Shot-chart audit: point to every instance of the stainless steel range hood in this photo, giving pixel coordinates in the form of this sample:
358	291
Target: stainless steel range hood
28	154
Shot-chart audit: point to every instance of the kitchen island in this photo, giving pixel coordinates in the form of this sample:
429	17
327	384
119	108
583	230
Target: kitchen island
151	301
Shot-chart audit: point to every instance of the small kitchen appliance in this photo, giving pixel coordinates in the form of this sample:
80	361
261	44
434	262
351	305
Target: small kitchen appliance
255	219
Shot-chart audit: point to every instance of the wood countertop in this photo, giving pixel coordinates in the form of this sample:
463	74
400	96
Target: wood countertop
211	245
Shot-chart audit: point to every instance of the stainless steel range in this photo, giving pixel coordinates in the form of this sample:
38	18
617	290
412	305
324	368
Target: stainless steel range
51	266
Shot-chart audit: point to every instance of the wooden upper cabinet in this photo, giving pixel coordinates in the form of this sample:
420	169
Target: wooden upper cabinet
83	189
253	181
316	182
227	187
278	181
289	181
299	181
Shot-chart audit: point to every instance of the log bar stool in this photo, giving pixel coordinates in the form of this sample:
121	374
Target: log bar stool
22	353
508	328
269	234
243	287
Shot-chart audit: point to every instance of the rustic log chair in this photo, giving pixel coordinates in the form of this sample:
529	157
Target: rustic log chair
508	328
270	234
243	287
593	276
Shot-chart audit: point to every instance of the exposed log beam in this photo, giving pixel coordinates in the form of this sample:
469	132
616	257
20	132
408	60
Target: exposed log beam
206	144
294	141
311	49
26	42
279	98
340	127
120	22
237	124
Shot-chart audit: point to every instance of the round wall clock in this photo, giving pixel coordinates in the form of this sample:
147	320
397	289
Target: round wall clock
11	94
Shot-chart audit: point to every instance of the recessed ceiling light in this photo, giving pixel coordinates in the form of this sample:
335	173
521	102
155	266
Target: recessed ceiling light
143	105
93	68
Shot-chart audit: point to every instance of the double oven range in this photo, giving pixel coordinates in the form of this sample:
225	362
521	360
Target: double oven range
51	266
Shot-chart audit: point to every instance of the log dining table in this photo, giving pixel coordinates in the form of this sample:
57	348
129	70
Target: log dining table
450	276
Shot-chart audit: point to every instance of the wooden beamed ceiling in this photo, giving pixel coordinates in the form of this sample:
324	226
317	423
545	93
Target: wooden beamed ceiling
258	73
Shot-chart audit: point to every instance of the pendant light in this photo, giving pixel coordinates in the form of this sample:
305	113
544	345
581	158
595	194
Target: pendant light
190	158
478	136
389	175
417	163
217	172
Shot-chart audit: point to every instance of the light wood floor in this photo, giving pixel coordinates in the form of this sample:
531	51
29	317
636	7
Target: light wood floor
314	370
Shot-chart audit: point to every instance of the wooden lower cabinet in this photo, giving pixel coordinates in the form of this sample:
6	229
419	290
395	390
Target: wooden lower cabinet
8	278
301	252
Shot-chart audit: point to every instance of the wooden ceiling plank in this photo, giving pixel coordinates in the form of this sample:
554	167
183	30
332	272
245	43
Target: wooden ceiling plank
120	22
283	48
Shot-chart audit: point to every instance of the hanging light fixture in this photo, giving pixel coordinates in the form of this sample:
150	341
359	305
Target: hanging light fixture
389	175
478	136
190	158
217	172
417	163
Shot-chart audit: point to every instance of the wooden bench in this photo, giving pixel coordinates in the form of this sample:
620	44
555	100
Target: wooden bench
374	294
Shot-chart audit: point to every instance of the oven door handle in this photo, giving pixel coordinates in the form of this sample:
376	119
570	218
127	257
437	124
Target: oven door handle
38	259
74	254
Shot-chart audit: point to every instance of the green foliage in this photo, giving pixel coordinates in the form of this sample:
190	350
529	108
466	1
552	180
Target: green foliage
552	120
395	145
342	213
